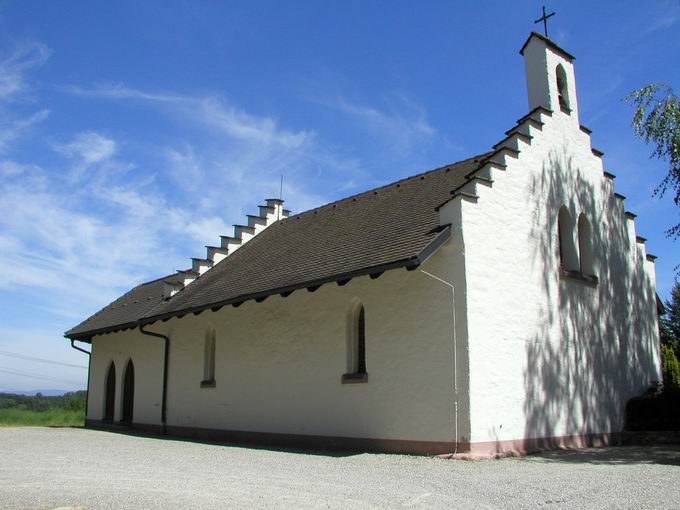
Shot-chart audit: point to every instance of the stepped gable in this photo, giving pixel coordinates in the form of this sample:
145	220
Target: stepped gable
390	225
270	213
124	312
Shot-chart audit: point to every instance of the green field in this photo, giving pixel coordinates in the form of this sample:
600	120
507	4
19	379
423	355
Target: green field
49	418
40	411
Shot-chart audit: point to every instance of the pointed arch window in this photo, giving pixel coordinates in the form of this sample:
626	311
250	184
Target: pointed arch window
565	235
562	89
356	344
576	261
110	393
585	246
127	412
209	358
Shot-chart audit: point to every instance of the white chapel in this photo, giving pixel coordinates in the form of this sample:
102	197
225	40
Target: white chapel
503	303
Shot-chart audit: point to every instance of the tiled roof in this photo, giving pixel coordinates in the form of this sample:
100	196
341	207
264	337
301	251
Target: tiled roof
123	312
386	227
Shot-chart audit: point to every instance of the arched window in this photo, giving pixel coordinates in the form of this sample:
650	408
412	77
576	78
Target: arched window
128	393
209	358
110	393
356	344
565	235
585	246
562	89
361	342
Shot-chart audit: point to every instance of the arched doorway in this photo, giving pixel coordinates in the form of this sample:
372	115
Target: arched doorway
110	393
128	393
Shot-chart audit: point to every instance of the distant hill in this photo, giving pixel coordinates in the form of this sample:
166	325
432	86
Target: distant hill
45	393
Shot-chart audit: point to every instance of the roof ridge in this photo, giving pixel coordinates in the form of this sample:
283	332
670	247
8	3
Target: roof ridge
156	280
393	183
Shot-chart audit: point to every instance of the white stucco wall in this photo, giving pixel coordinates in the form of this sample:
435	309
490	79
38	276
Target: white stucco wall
552	357
279	363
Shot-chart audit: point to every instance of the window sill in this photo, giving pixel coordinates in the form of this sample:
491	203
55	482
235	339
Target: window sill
578	276
354	378
208	384
564	109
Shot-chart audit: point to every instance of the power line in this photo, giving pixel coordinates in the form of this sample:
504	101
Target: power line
41	360
36	376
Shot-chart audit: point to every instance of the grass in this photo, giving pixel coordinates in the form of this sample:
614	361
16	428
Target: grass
49	418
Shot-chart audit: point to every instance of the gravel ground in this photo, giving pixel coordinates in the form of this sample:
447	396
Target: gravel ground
80	468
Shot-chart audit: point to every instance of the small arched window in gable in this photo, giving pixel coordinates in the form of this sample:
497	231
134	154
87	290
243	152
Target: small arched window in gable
562	89
585	246
209	358
356	344
565	234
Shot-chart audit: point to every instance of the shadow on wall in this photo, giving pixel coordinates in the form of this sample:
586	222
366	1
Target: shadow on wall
594	347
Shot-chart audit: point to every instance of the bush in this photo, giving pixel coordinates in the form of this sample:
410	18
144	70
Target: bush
671	367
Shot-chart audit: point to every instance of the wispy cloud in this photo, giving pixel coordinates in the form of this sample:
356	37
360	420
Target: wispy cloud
14	66
208	111
85	150
244	155
664	22
402	126
88	147
12	129
13	69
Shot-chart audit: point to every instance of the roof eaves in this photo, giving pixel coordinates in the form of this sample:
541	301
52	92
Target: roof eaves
87	335
410	263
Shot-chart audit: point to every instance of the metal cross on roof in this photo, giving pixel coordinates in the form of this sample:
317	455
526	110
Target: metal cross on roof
544	19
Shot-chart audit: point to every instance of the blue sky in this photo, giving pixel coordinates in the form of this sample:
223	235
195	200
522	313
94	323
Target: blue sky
134	133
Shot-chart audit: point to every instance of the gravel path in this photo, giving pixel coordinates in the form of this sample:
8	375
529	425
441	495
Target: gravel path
79	468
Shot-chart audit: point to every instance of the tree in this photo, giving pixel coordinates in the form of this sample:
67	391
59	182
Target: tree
657	120
671	368
669	322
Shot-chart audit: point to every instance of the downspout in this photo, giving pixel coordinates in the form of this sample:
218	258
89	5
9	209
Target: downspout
165	374
455	353
89	363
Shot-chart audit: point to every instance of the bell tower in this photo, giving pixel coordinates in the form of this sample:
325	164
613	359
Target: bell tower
550	76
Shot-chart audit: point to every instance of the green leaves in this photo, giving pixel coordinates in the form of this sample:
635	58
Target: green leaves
671	367
669	322
657	121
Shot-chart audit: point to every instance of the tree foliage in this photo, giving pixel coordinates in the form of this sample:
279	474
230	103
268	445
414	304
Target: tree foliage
669	331
657	120
669	322
671	368
74	401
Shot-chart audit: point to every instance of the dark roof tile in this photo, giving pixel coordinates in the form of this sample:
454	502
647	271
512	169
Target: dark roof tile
124	311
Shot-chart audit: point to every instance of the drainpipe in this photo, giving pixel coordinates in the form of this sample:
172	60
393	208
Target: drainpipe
165	373
455	353
89	362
